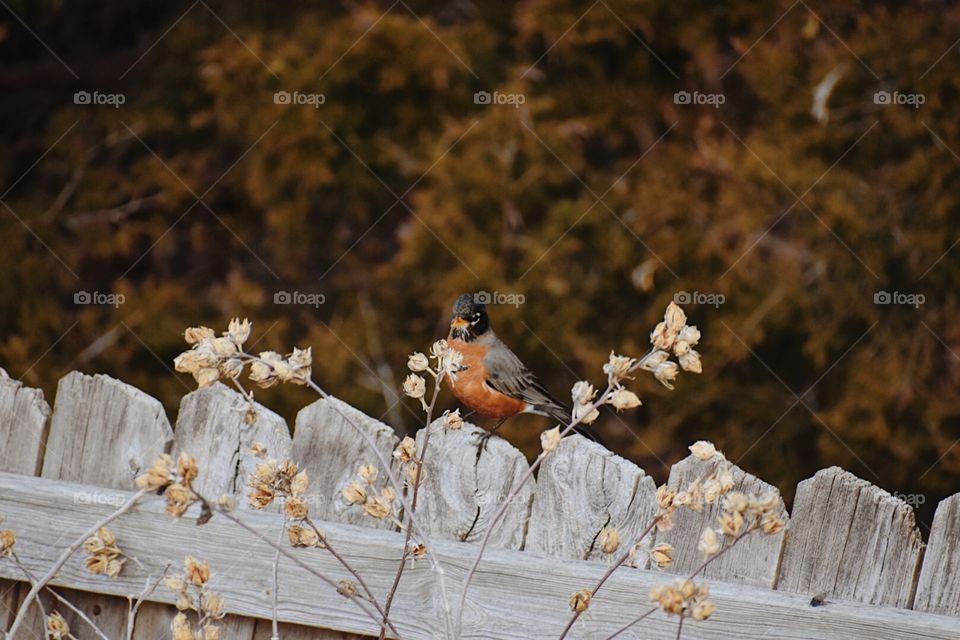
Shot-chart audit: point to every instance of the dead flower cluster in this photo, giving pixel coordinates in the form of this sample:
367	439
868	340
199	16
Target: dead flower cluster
177	486
684	597
379	504
212	357
194	596
105	556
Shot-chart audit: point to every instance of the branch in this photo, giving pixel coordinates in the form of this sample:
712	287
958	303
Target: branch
56	595
274	623
293	558
62	560
413	507
606	576
147	590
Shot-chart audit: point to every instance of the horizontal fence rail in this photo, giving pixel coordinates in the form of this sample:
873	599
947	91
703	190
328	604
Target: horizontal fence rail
850	564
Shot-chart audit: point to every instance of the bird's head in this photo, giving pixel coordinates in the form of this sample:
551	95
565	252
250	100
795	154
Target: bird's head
469	319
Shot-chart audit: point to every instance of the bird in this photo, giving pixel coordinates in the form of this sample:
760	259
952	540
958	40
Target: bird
493	381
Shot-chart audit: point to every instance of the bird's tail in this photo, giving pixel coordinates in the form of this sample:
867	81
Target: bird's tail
562	415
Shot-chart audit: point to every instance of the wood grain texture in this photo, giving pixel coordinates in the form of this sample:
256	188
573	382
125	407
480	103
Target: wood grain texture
755	560
461	492
516	595
939	588
103	431
850	540
327	446
581	488
211	427
24	419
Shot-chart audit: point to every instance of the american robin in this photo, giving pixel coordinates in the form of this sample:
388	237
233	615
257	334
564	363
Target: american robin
493	381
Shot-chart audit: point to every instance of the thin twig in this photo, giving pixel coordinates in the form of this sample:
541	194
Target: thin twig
693	575
56	595
413	506
680	626
133	608
274	622
346	565
357	600
62	560
606	576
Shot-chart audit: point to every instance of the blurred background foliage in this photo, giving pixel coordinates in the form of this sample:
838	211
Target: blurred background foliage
597	199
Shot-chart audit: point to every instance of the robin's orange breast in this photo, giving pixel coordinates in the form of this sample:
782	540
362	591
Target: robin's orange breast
471	389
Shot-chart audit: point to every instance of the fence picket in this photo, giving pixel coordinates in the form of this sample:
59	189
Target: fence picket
754	560
103	432
939	588
24	420
850	540
463	487
581	488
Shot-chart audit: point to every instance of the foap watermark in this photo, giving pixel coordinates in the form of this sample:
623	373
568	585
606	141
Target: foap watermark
485	297
699	297
899	98
912	499
298	98
299	297
96	297
96	98
896	297
114	500
513	99
712	99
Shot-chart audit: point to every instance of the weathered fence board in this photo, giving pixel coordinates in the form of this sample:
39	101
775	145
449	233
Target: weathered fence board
24	420
939	588
327	446
755	560
851	540
583	487
23	426
99	418
211	425
463	487
515	594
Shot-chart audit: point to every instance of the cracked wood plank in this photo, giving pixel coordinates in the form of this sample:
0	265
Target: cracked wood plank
755	560
581	488
463	488
106	432
327	446
850	540
939	588
211	427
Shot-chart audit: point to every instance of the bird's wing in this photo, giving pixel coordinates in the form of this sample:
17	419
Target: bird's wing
508	375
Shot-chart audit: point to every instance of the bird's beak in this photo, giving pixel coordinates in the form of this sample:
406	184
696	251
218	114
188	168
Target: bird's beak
459	322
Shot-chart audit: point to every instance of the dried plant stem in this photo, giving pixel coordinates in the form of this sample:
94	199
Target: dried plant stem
134	607
56	595
412	521
346	565
300	563
596	404
630	624
413	507
274	623
610	570
680	626
693	575
62	560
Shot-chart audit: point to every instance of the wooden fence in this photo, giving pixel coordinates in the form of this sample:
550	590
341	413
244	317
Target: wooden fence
851	563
